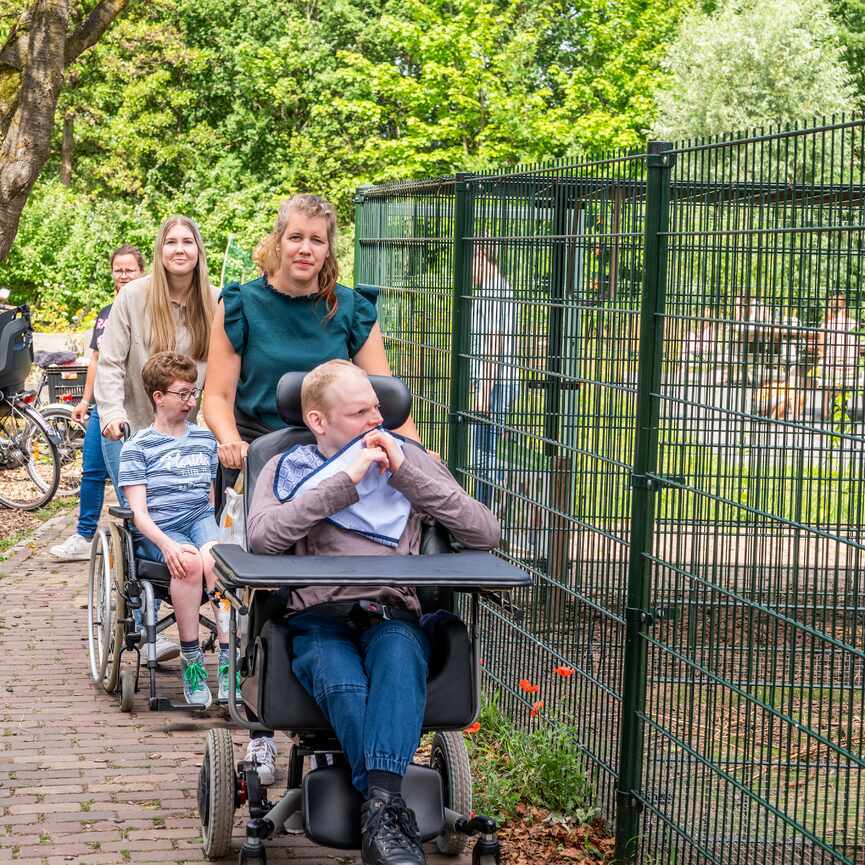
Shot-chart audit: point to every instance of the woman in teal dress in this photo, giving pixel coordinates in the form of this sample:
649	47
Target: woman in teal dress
292	318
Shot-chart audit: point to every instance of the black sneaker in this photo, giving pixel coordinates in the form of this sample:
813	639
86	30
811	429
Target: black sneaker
389	831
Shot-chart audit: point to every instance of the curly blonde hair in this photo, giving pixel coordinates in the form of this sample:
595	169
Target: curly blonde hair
266	254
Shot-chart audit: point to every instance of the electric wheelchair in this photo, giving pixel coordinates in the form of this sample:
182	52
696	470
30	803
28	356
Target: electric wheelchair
119	582
323	804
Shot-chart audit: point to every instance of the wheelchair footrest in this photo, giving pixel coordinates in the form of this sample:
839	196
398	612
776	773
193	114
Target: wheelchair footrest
331	805
163	704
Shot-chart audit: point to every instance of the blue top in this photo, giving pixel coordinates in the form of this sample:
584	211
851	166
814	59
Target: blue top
274	333
178	473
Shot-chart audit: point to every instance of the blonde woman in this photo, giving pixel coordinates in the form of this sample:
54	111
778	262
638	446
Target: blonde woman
170	309
292	318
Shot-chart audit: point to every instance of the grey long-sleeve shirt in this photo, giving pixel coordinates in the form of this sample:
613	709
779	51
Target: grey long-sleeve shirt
300	524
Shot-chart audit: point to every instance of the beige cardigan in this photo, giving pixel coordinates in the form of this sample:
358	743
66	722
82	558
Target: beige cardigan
123	351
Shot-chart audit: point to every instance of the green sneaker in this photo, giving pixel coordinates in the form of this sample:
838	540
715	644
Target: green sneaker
222	671
195	690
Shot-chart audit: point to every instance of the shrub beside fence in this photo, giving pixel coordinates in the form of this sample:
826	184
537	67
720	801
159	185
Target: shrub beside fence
650	366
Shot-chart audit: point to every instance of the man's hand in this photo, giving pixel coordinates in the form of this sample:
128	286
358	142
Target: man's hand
232	454
80	412
367	457
379	439
172	552
114	430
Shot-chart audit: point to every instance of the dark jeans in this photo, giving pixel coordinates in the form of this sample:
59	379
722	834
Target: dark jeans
485	460
371	686
93	477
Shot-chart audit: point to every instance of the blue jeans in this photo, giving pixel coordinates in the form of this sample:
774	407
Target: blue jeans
371	686
93	478
198	533
485	460
111	454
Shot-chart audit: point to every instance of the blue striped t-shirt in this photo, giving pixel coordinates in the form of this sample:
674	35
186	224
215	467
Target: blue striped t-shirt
178	473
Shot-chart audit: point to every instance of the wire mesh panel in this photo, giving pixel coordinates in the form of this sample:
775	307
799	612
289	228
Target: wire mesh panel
649	367
405	249
543	295
755	700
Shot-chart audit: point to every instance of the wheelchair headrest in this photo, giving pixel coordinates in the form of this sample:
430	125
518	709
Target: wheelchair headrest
393	396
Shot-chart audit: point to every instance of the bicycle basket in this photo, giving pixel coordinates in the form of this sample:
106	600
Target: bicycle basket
65	383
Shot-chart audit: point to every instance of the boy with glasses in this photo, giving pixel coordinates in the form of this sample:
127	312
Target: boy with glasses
167	472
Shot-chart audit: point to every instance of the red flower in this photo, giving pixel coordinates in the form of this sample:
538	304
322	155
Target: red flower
563	671
482	662
473	728
528	687
536	708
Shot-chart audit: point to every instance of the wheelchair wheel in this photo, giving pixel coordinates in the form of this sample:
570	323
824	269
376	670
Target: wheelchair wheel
127	690
106	608
450	759
216	794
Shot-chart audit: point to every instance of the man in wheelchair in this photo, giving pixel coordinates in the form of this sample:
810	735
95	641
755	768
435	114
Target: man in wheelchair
360	651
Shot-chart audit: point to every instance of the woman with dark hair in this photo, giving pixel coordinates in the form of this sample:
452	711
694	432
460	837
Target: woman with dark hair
292	318
127	264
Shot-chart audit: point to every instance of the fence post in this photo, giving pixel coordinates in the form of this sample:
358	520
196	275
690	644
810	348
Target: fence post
358	219
458	428
659	164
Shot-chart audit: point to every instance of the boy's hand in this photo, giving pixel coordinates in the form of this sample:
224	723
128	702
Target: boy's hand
379	439
367	457
172	552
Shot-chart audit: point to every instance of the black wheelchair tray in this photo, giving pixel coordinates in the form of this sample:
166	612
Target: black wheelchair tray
468	570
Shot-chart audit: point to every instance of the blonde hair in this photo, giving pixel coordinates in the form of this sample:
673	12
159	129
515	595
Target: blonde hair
266	254
199	304
318	382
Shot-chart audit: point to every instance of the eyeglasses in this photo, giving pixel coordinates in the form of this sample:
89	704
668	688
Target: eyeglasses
125	272
186	395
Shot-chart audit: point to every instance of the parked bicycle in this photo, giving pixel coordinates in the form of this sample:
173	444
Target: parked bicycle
29	455
58	390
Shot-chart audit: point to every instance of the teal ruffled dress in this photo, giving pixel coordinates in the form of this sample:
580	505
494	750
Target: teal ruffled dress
274	334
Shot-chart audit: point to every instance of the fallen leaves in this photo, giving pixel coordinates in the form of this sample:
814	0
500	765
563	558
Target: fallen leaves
536	836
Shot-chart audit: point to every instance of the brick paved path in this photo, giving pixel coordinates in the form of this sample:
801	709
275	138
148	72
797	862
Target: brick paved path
81	782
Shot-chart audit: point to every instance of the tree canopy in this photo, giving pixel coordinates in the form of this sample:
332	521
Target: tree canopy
220	108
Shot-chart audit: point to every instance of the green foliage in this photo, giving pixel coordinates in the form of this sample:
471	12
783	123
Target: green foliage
850	17
752	63
220	108
542	767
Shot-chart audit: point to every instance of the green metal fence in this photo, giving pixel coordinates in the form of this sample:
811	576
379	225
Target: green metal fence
650	367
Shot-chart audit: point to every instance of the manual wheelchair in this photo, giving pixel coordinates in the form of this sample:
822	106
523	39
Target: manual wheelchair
119	582
323	803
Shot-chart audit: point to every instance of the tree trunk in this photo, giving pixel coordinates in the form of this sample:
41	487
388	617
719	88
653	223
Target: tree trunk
66	152
32	62
27	143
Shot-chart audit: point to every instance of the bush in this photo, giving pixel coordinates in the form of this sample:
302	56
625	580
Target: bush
542	768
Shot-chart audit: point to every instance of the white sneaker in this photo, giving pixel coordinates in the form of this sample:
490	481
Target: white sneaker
73	549
165	649
262	750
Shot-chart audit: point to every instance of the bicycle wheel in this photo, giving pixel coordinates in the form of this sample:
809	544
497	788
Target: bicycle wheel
29	459
70	444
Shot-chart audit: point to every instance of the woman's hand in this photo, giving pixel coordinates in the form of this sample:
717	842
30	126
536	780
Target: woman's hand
232	454
172	552
114	430
80	412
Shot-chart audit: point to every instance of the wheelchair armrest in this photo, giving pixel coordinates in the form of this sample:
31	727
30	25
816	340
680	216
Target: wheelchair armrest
120	513
467	571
